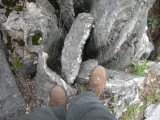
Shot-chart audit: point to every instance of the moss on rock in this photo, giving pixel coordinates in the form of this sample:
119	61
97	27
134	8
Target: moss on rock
35	39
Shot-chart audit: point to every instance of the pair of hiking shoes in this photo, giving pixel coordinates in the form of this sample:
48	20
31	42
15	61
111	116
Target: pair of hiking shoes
96	84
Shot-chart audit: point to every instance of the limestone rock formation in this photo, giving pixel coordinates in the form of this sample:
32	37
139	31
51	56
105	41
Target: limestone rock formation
73	46
26	25
33	34
123	88
34	30
119	36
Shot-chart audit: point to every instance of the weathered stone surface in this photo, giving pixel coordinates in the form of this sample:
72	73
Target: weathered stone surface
36	18
11	100
155	67
28	23
47	7
73	46
85	71
46	79
119	35
67	12
123	88
152	112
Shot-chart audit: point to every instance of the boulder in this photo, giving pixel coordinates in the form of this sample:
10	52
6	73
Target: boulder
73	46
155	67
85	71
34	22
123	89
119	36
35	27
152	112
11	100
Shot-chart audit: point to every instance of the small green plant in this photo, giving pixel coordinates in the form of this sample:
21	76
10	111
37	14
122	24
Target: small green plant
149	100
82	88
154	97
142	110
152	21
138	69
158	58
113	109
131	111
17	63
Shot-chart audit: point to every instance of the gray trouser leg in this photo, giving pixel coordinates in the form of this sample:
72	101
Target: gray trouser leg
86	106
48	113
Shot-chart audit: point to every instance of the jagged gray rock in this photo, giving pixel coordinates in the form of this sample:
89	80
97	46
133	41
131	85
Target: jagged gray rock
73	46
11	100
119	35
46	79
36	18
155	67
85	71
123	88
28	23
152	112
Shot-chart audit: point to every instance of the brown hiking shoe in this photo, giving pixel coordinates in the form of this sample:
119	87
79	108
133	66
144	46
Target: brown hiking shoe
97	80
58	97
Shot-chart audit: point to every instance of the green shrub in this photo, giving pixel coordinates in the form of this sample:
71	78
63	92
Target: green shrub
138	69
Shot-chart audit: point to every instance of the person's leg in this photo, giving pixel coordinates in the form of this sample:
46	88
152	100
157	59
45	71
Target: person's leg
86	106
56	111
49	113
